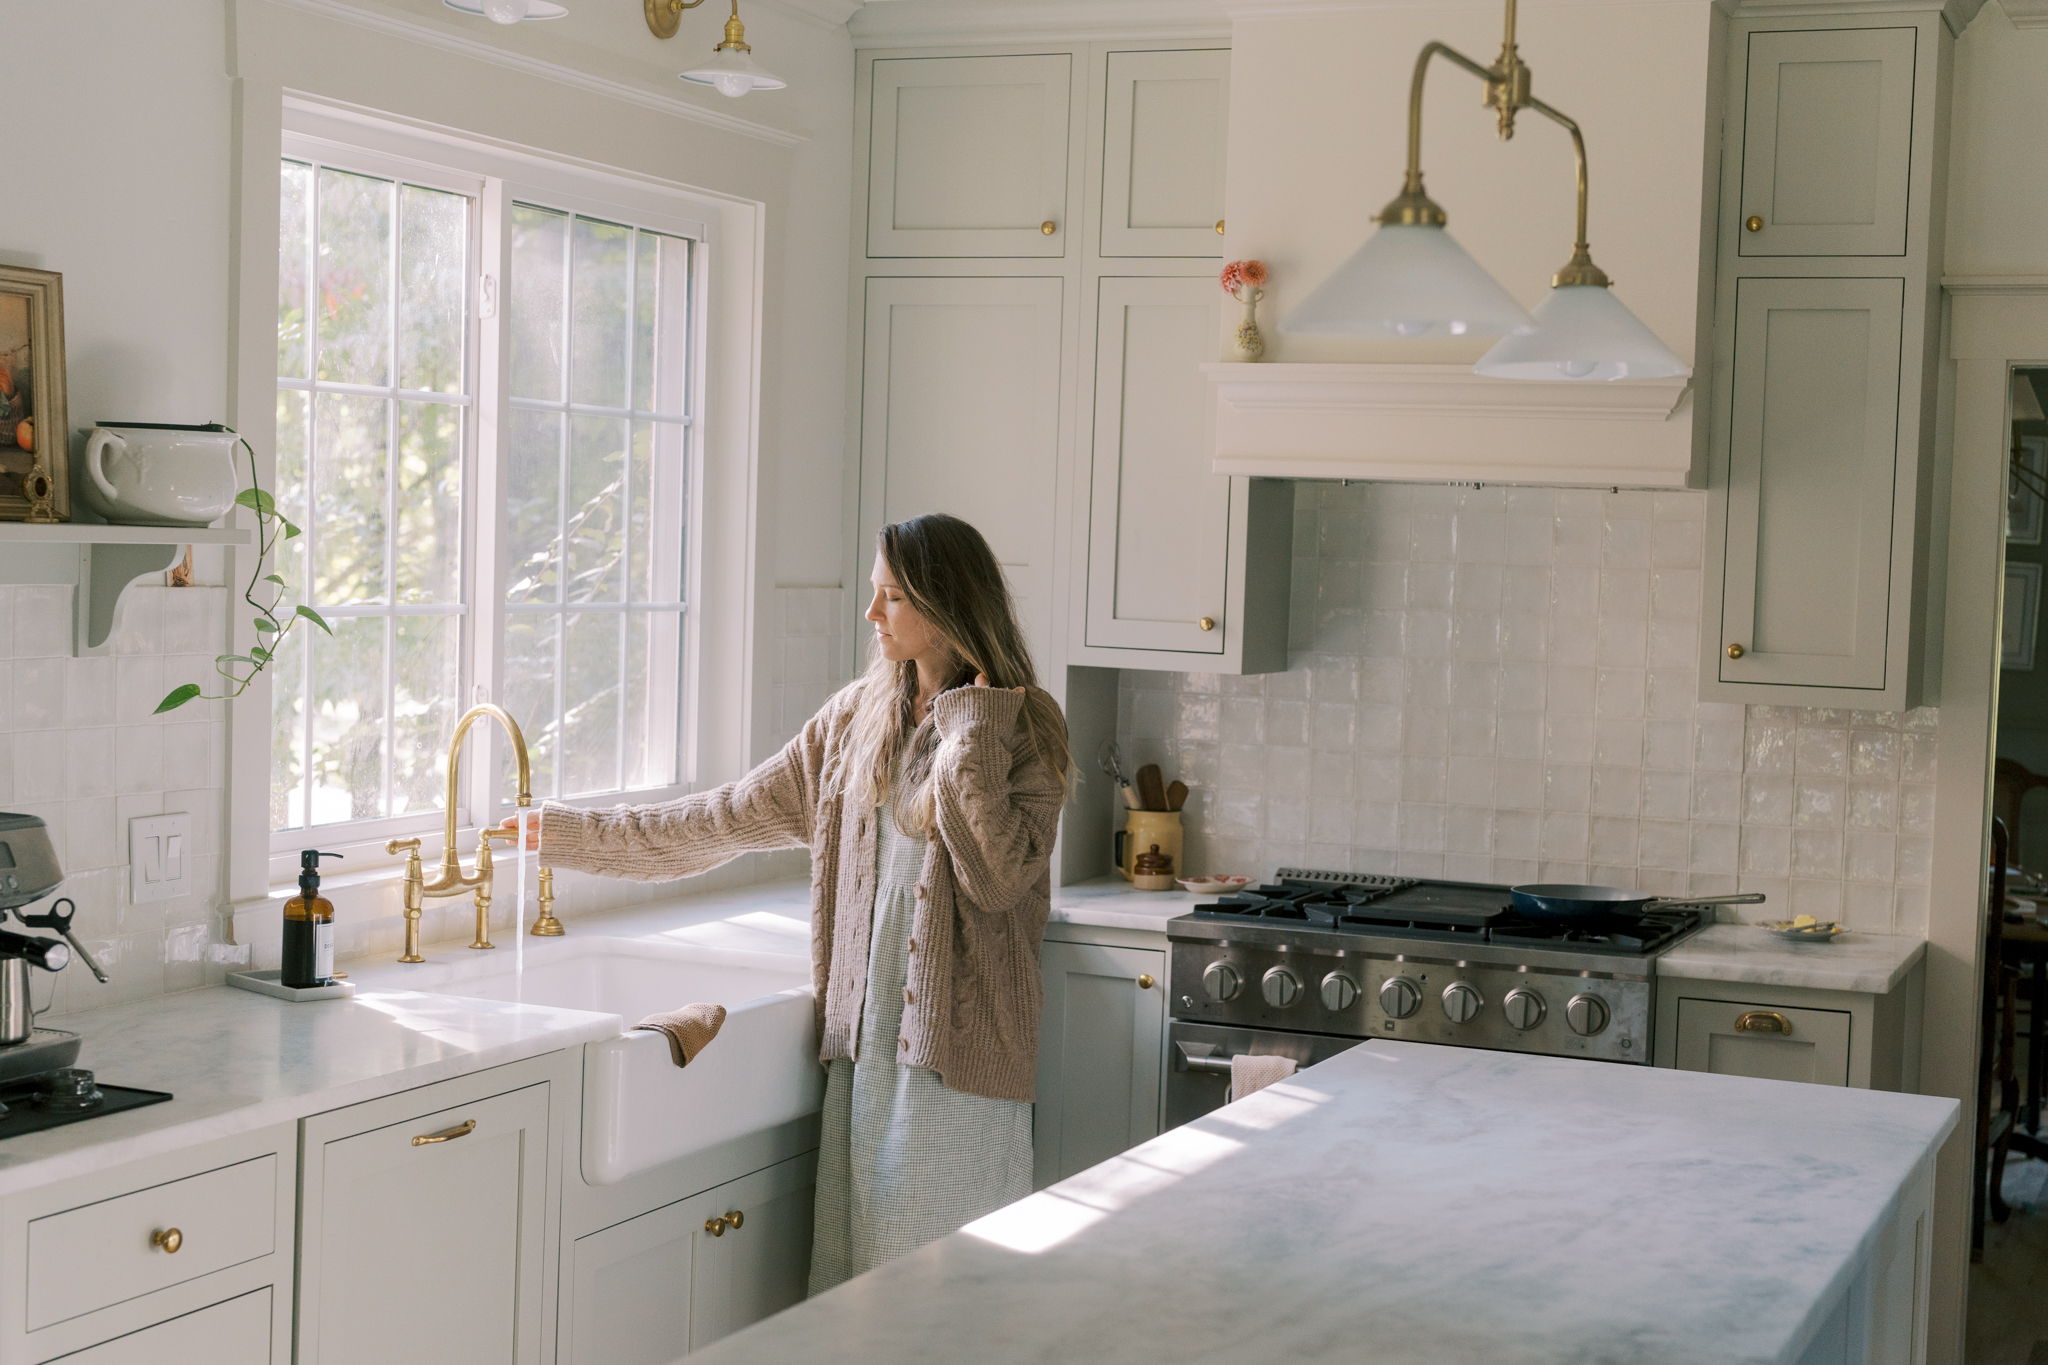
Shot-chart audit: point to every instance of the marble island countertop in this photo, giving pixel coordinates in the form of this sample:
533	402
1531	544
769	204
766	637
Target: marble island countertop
1869	963
1416	1205
235	1061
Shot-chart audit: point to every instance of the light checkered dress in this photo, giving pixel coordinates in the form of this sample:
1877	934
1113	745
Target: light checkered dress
903	1160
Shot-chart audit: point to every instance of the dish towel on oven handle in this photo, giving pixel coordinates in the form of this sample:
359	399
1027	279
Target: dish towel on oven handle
1249	1074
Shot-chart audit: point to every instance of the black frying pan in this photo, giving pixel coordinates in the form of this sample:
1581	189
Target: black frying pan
1571	903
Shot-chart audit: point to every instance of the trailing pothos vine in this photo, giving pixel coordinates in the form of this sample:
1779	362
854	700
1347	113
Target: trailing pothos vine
272	624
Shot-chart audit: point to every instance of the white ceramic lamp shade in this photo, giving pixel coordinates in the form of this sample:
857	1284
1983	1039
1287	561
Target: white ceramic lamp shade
1582	332
507	11
1408	281
732	73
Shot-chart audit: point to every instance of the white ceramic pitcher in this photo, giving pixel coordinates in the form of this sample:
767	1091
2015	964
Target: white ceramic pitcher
159	474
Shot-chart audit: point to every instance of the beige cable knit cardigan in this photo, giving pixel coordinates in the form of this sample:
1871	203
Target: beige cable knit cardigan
973	999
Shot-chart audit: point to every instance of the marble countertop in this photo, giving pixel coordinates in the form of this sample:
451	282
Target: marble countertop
1113	903
236	1061
1405	1203
1870	963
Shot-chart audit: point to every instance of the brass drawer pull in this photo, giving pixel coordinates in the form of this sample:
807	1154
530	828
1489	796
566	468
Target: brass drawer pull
1219	227
1145	983
463	1129
1207	623
1736	651
1047	227
170	1239
1755	224
1764	1021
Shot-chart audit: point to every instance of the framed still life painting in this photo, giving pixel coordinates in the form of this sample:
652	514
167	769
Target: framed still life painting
2022	611
35	482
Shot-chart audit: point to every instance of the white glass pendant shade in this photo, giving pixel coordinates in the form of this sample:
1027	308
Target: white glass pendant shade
507	11
733	73
1408	281
1582	332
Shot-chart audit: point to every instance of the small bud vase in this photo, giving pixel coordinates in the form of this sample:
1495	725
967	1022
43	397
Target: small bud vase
1250	344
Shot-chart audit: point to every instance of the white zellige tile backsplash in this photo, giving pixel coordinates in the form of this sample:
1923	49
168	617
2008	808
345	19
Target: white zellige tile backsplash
1501	684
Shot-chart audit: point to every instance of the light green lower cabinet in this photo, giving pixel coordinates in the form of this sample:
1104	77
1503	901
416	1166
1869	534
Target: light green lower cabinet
652	1289
1792	1033
1101	1050
233	1333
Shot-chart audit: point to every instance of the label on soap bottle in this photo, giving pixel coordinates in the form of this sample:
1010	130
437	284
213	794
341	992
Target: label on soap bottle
323	951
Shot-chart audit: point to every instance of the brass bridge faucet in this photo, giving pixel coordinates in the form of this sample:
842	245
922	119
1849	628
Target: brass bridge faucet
453	881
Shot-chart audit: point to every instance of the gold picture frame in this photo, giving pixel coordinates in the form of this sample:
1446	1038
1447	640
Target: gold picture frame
35	479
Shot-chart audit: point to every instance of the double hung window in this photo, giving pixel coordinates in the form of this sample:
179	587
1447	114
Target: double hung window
493	506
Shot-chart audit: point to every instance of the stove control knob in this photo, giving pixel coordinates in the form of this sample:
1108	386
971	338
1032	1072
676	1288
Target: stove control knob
1587	1014
1220	980
1523	1007
1462	1003
1280	987
1339	991
1400	997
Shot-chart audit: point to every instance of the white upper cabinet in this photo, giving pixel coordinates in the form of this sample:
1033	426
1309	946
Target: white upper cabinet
960	413
1164	126
1827	133
967	156
1812	480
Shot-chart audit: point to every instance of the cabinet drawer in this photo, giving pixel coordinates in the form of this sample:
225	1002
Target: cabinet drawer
233	1333
1770	1042
100	1254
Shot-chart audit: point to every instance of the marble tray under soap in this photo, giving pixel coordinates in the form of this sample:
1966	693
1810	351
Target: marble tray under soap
271	983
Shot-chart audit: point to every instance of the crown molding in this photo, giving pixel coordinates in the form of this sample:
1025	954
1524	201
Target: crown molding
2026	13
946	23
1288	9
1995	284
431	35
817	13
1957	14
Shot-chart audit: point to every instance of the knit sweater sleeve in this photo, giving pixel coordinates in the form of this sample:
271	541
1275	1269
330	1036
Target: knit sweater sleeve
996	801
774	806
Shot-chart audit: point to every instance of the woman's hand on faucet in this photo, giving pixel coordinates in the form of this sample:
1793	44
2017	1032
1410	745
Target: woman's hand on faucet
511	822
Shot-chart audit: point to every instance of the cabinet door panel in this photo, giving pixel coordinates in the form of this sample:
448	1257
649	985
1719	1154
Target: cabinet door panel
1813	452
763	1265
1159	520
1162	153
1826	151
233	1333
968	156
632	1287
960	413
1816	1051
1099	1056
430	1251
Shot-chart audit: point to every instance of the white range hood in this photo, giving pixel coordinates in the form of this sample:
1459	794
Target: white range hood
1318	122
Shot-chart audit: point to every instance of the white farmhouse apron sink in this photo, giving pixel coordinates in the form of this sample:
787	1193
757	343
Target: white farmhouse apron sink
639	1109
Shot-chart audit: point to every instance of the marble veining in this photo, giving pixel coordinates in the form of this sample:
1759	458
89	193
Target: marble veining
237	1062
1407	1203
1870	963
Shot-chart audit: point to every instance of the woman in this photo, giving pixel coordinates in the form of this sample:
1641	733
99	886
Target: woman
928	791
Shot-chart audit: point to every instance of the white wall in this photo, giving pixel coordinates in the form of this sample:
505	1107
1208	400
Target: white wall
142	117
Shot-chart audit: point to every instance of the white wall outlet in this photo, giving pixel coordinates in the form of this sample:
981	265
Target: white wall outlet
159	857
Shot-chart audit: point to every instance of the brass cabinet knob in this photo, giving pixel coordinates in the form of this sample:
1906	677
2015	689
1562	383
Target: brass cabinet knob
170	1239
1736	651
1047	227
1219	227
1764	1021
1146	983
1207	623
735	1219
1755	224
715	1226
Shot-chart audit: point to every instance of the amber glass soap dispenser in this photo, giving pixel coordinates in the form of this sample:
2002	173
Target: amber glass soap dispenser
308	928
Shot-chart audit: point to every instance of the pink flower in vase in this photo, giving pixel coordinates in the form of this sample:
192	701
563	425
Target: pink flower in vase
1241	275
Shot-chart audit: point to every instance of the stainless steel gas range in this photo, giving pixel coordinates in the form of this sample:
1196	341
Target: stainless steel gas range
1319	961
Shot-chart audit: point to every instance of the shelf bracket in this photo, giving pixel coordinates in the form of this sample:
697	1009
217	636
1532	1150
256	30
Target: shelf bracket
105	573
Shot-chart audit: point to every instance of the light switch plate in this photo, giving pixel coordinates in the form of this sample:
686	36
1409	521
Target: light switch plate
159	857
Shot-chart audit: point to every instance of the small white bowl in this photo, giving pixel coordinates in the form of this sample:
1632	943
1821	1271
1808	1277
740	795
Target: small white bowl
1213	886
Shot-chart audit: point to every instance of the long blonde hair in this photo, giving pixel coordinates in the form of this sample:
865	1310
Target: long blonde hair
951	578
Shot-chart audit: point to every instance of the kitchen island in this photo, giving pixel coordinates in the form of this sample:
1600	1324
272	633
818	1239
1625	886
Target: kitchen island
1410	1203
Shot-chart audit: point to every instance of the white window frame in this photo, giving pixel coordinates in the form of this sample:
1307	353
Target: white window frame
496	181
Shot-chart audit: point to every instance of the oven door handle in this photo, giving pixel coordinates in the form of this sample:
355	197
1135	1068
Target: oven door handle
1199	1057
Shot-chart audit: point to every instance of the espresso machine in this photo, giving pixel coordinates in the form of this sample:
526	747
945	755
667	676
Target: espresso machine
40	1085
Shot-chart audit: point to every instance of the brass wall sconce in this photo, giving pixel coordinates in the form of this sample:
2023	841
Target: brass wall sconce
664	17
730	69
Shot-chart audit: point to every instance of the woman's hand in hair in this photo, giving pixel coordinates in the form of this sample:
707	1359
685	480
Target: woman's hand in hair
981	680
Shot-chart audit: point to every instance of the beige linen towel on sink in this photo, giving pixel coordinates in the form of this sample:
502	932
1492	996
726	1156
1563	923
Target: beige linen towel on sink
688	1030
1249	1074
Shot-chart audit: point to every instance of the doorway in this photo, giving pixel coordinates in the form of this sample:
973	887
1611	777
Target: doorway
2008	1310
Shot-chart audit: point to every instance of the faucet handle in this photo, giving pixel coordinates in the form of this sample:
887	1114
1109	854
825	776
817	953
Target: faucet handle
402	845
499	832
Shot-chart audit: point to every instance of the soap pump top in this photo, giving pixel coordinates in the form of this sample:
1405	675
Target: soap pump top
309	873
